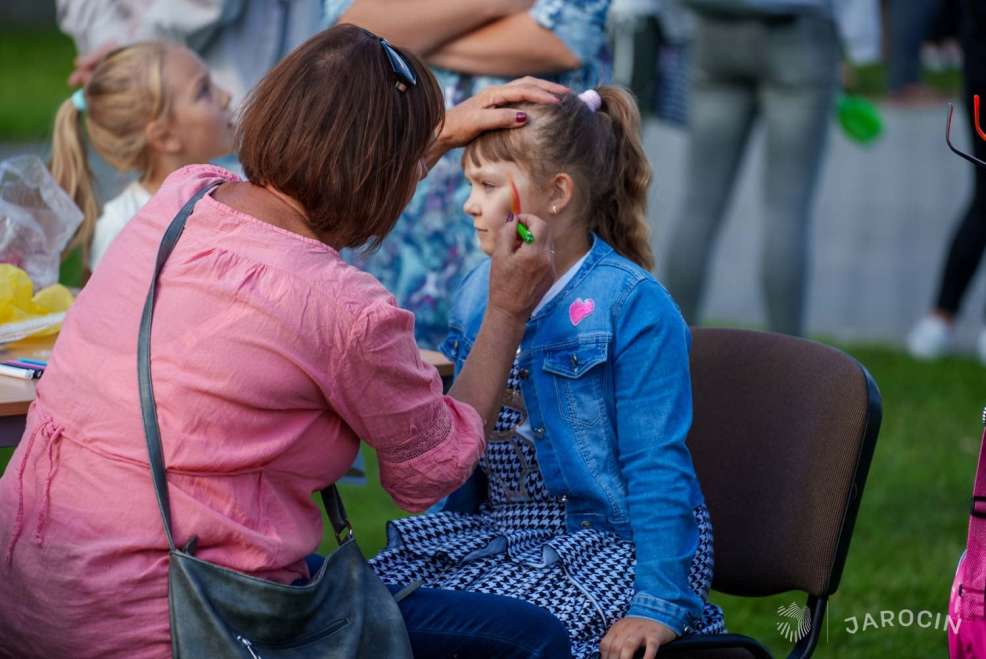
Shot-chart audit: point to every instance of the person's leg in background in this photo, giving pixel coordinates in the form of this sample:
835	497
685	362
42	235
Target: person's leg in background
722	108
932	336
909	25
455	624
945	24
797	97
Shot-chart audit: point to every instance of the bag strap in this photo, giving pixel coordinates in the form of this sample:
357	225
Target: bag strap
148	407
337	513
975	560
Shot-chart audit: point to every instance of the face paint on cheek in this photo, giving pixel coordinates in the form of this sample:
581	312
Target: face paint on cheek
522	231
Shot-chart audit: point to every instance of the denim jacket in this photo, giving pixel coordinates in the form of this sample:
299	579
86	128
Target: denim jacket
604	375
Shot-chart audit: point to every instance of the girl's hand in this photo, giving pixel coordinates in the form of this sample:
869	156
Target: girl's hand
485	111
628	634
520	273
85	65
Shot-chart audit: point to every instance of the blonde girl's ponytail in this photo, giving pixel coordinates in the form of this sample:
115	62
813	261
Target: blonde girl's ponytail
70	168
620	210
126	92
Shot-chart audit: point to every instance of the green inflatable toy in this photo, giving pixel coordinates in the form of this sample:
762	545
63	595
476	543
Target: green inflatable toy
859	119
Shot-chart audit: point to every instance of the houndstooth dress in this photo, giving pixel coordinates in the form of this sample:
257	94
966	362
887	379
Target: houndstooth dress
518	546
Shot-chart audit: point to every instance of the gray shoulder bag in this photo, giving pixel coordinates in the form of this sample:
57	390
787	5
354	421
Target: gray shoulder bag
217	613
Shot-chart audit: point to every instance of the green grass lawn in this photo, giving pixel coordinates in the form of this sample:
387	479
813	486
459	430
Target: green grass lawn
871	80
911	526
34	65
912	522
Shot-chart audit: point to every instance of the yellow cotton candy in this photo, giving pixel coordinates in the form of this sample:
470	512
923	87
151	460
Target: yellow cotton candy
54	298
15	294
17	303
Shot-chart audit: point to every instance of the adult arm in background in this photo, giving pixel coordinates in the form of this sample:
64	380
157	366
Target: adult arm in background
549	38
497	38
512	46
425	25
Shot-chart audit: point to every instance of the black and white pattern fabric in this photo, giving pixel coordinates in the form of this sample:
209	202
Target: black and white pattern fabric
518	546
512	413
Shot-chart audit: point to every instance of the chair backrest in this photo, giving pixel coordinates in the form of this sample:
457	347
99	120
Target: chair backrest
782	437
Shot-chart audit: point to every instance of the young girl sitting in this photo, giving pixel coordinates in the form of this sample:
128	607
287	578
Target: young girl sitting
585	502
151	108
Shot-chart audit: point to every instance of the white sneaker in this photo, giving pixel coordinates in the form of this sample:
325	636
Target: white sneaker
981	347
931	338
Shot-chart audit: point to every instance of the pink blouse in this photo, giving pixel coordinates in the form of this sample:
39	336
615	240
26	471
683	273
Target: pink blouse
271	359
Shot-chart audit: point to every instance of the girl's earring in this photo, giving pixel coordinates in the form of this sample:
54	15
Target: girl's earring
554	210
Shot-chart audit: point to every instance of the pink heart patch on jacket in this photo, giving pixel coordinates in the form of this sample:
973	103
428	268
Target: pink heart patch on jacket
580	310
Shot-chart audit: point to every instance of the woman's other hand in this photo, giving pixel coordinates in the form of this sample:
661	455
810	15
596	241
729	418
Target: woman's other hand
86	64
520	273
486	111
629	634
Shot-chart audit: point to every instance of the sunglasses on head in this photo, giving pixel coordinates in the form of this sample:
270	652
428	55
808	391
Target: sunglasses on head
403	71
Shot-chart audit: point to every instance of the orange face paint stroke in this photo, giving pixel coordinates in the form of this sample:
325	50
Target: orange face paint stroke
522	231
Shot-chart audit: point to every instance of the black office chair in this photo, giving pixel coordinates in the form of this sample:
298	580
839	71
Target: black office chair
782	438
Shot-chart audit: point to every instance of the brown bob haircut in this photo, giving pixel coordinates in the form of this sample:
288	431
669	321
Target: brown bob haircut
329	127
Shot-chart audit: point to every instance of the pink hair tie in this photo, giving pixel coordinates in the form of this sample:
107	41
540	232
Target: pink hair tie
591	98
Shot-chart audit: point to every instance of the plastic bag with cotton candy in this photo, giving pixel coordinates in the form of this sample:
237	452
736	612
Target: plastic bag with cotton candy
37	219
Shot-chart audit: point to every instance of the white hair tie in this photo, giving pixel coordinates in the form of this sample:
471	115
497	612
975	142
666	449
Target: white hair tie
591	98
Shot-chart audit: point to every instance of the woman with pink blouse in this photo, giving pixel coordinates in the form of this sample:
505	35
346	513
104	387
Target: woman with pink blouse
272	358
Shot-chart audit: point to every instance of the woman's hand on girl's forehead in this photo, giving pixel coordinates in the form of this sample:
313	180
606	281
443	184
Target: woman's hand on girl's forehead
485	111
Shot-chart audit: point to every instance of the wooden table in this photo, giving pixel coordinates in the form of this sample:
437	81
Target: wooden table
445	368
16	395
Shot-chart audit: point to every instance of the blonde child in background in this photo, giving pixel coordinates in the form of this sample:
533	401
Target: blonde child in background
585	502
149	108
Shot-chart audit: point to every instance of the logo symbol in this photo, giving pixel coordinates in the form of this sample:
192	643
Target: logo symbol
795	622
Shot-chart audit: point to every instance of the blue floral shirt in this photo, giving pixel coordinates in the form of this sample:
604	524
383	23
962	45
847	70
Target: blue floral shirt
434	245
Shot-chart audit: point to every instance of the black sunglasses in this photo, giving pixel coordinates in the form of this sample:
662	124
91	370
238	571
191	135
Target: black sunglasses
948	137
403	71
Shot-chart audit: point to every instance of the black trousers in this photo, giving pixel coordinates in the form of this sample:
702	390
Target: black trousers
969	240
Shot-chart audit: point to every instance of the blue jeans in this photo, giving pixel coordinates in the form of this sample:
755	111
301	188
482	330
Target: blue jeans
449	623
785	72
